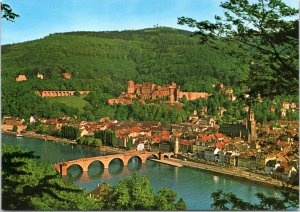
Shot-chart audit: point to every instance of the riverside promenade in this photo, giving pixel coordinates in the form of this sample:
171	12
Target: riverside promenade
236	173
168	162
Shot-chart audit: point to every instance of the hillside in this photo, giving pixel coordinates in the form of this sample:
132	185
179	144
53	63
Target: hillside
109	59
103	62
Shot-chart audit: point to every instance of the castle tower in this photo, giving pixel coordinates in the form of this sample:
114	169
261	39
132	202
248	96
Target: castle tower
130	87
252	126
172	94
177	93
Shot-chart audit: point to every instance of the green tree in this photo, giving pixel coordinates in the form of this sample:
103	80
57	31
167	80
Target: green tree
229	201
7	13
180	205
69	132
265	29
97	142
15	128
136	193
31	185
165	199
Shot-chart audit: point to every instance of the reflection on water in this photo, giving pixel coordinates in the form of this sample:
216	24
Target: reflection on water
216	179
134	163
194	186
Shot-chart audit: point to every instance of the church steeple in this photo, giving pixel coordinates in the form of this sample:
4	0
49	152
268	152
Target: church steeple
252	126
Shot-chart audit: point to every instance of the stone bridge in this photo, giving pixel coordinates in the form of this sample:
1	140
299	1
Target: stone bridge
84	163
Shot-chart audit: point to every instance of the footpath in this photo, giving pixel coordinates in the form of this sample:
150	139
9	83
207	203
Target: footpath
236	173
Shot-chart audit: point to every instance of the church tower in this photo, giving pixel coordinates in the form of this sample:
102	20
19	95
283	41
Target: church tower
252	126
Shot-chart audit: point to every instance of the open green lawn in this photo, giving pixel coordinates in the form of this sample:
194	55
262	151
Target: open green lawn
73	101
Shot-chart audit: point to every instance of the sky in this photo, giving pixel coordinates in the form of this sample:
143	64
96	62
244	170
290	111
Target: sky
39	18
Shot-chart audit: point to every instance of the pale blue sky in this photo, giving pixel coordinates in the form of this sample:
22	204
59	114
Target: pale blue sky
39	18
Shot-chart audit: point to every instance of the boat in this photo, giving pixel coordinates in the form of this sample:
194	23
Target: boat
19	135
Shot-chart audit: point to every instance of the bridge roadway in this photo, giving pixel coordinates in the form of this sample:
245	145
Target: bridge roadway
84	163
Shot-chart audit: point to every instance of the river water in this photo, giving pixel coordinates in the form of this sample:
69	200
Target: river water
194	186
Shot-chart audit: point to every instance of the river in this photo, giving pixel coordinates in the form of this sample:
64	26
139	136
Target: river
194	186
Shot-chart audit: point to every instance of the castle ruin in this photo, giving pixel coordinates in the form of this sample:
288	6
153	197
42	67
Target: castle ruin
148	90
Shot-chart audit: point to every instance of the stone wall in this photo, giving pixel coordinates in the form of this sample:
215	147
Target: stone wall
59	93
194	95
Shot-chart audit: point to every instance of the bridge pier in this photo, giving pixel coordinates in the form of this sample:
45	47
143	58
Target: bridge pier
161	156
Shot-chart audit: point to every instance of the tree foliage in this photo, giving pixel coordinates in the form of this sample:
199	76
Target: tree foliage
267	31
7	13
31	185
69	132
228	201
108	137
136	193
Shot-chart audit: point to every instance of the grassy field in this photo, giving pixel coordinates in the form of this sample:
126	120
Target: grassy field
73	101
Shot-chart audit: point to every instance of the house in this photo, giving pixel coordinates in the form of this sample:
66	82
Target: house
21	78
273	109
186	145
246	108
285	105
41	76
222	110
209	154
32	120
247	160
67	75
283	112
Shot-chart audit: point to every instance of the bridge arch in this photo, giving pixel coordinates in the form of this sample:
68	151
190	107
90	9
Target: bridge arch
124	163
96	168
155	156
135	156
96	161
75	165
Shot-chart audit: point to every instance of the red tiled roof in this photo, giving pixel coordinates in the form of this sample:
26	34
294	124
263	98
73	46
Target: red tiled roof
219	145
187	143
283	164
220	135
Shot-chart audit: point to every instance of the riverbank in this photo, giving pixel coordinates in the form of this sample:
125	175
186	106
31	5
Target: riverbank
235	173
168	162
63	140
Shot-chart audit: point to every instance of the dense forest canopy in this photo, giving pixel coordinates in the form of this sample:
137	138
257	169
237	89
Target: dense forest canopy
159	55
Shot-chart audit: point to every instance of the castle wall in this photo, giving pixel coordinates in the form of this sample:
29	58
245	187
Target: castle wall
194	95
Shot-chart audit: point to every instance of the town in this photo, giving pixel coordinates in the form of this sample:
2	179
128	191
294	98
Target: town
269	149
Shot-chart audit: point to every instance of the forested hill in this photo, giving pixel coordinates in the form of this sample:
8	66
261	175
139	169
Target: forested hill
107	60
